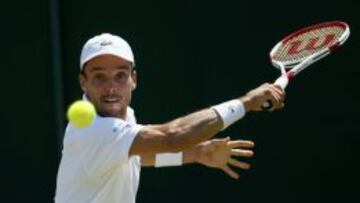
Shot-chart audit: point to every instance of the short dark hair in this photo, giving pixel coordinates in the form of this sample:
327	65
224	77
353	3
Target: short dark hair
82	70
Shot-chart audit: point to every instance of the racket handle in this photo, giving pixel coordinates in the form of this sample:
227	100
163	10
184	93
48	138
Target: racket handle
282	81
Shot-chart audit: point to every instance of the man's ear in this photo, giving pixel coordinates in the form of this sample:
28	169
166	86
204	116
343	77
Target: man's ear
82	82
134	79
133	86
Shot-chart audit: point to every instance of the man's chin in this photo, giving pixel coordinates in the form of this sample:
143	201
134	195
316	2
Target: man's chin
111	112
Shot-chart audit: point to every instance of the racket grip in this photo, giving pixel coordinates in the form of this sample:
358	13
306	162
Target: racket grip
282	81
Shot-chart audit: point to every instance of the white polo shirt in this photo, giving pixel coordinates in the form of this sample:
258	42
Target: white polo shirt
95	166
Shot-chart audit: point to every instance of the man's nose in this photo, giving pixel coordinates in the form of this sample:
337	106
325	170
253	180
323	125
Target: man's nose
112	86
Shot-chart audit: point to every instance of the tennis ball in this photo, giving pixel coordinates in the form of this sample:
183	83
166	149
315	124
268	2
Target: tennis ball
81	113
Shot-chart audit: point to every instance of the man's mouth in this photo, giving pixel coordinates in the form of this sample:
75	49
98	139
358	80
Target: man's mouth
111	99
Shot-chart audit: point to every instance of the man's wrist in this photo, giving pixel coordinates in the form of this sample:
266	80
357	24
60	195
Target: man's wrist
230	112
191	155
169	159
246	102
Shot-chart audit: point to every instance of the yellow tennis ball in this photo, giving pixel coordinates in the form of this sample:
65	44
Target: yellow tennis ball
81	113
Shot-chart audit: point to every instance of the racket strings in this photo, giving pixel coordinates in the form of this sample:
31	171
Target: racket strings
296	49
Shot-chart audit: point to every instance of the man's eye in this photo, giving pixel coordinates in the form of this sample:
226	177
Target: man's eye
99	77
121	76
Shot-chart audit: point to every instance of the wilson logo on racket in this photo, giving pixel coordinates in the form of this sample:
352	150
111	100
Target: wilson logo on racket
311	44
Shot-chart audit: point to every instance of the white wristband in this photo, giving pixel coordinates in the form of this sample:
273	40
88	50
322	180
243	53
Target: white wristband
230	111
168	159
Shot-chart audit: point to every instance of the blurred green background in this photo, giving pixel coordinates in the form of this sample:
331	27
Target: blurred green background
189	55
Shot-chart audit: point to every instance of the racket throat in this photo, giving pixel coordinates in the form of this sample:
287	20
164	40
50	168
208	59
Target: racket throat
290	75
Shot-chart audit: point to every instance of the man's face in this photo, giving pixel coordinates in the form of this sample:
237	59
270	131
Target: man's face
108	81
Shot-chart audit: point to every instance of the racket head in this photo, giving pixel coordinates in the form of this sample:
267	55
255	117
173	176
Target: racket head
317	39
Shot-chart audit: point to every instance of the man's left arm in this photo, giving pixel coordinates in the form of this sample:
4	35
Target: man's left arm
215	153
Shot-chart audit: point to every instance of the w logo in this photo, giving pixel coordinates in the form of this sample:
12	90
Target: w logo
311	44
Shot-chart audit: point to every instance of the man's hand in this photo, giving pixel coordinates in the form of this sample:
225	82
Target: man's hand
254	99
217	153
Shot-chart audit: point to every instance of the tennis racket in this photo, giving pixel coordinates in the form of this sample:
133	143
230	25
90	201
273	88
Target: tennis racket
302	48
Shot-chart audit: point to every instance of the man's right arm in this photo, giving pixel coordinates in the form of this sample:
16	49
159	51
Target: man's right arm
185	132
177	135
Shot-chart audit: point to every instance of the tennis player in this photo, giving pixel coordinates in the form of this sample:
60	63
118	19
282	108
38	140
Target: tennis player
101	163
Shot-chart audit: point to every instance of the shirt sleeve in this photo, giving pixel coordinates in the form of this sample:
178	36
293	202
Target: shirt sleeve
106	144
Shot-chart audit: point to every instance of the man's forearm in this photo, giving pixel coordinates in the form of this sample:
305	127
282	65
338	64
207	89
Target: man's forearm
189	156
177	135
190	130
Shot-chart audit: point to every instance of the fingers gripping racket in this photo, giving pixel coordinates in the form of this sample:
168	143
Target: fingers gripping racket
302	48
